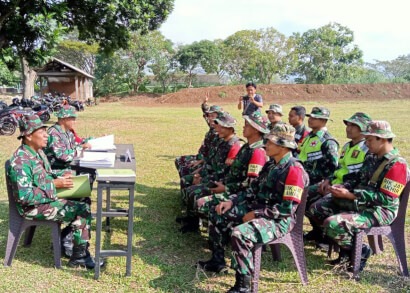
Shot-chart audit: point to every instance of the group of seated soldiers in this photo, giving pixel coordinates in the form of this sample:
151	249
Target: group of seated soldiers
249	191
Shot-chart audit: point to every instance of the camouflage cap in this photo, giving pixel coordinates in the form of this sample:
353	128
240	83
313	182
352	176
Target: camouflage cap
225	120
66	111
283	135
319	112
275	108
214	109
257	121
28	124
360	119
380	129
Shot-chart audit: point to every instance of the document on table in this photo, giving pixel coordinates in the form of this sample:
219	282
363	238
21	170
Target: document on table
80	189
103	143
97	160
107	174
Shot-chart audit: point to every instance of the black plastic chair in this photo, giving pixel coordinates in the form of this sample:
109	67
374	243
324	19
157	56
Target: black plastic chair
293	240
17	225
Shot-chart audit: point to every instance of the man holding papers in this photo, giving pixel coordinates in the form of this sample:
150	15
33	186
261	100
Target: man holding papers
34	186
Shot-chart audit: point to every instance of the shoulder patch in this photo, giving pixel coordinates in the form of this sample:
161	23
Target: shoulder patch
294	184
395	180
256	162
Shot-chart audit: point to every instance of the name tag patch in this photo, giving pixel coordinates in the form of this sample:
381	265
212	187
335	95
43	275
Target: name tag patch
391	187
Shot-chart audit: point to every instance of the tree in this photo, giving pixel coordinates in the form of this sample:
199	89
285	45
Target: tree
326	53
32	29
397	69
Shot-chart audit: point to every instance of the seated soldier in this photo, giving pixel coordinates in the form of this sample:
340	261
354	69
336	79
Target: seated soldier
215	169
374	201
264	212
296	117
274	114
350	161
34	187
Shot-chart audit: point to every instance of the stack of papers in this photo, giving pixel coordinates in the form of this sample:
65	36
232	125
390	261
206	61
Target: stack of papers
103	143
115	174
97	160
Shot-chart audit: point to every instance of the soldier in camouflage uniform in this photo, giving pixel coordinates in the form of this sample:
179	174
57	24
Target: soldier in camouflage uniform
274	114
34	187
319	155
296	117
215	169
265	211
62	146
350	161
374	201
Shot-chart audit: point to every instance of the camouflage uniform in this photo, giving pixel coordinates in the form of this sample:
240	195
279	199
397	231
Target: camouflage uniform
275	108
301	132
377	199
33	187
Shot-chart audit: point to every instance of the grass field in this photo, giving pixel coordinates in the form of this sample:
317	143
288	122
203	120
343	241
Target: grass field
163	258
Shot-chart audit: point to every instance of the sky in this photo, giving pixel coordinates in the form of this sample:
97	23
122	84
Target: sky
381	28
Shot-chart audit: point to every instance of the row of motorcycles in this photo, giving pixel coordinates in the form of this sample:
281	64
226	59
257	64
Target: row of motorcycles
42	107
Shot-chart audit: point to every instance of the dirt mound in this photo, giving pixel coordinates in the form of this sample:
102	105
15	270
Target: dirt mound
280	93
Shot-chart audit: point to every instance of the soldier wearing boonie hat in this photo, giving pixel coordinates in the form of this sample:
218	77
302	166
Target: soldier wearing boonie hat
66	111
319	113
375	199
257	121
28	124
274	115
283	135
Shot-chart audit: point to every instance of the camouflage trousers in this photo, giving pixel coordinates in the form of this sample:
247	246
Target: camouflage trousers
245	236
182	164
313	196
193	193
341	225
74	213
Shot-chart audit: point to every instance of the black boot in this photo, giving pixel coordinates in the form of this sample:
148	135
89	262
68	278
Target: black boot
191	225
67	241
344	257
366	253
216	264
81	257
242	284
181	219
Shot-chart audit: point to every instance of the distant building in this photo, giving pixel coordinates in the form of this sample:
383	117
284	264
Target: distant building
65	78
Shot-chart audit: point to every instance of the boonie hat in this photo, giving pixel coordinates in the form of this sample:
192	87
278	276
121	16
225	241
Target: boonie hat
380	129
225	120
275	108
319	112
28	124
214	109
360	119
283	135
257	121
66	111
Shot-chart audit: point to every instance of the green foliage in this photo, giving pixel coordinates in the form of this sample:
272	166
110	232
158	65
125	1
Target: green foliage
7	77
397	70
222	95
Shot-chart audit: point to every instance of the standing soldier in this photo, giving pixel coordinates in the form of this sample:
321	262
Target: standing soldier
319	155
296	117
251	102
374	201
264	212
34	188
274	114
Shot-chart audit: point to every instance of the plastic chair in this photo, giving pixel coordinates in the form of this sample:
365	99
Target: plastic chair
395	232
17	225
293	240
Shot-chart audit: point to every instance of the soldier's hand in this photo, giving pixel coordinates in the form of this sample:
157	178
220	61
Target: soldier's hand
229	161
223	207
206	99
63	182
249	216
324	187
341	192
86	145
219	189
197	179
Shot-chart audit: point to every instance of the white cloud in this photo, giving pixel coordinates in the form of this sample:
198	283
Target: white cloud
380	27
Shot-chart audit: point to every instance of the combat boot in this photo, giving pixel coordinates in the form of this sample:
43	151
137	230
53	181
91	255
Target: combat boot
191	225
366	253
344	257
67	241
242	284
81	258
216	264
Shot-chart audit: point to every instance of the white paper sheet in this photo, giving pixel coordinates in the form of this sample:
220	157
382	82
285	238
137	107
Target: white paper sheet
102	143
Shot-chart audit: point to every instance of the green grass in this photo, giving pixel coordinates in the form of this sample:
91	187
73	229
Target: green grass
163	258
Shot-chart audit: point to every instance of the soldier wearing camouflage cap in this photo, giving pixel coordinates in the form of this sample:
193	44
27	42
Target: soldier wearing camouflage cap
350	161
274	114
62	145
34	187
264	211
374	200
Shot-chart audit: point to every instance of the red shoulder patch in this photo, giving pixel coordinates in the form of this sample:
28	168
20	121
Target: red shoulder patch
294	184
234	150
395	180
256	162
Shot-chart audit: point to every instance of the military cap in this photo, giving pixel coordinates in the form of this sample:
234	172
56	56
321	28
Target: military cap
257	121
283	135
66	111
319	112
275	108
225	120
28	124
360	119
380	129
214	109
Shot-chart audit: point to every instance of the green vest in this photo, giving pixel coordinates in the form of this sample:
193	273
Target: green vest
350	161
310	150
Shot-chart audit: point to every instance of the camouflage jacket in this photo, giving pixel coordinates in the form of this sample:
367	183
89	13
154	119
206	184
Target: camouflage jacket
61	147
248	163
31	178
217	169
382	197
209	142
271	125
319	162
301	132
276	193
